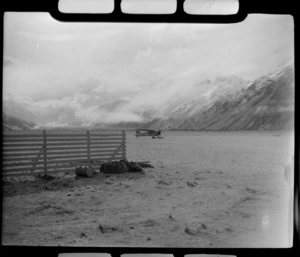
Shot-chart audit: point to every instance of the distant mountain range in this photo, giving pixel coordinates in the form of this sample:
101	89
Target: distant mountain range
229	103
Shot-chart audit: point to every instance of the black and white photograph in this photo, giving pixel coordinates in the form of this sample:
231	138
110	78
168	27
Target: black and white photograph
173	135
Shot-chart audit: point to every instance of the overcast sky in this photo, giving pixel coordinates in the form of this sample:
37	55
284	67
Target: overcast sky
45	60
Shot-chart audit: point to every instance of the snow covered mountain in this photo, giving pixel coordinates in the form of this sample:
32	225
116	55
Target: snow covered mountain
265	104
222	103
220	87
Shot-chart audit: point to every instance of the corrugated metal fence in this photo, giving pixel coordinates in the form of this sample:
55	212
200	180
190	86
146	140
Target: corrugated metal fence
34	152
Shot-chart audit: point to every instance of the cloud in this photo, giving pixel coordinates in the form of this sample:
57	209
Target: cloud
71	109
143	54
99	89
18	99
191	70
7	61
155	33
80	97
180	52
54	37
72	67
261	110
47	107
11	62
151	98
89	115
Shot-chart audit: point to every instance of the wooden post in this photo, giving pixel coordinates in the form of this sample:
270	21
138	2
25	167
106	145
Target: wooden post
88	147
45	150
123	145
37	158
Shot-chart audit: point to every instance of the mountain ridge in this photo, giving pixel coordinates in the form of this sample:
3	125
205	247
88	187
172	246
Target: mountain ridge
265	104
230	103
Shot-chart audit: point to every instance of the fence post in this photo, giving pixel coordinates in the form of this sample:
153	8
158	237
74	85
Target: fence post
123	145
88	146
45	150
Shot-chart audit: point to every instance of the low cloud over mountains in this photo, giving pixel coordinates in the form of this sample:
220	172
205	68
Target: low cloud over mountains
227	103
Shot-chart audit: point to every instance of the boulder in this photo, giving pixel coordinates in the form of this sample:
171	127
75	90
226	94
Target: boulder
195	228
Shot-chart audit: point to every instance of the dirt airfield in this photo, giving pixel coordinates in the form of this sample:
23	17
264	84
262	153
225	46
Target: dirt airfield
219	191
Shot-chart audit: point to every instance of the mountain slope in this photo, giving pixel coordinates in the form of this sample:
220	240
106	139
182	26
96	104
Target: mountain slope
266	104
17	117
225	103
12	123
221	87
